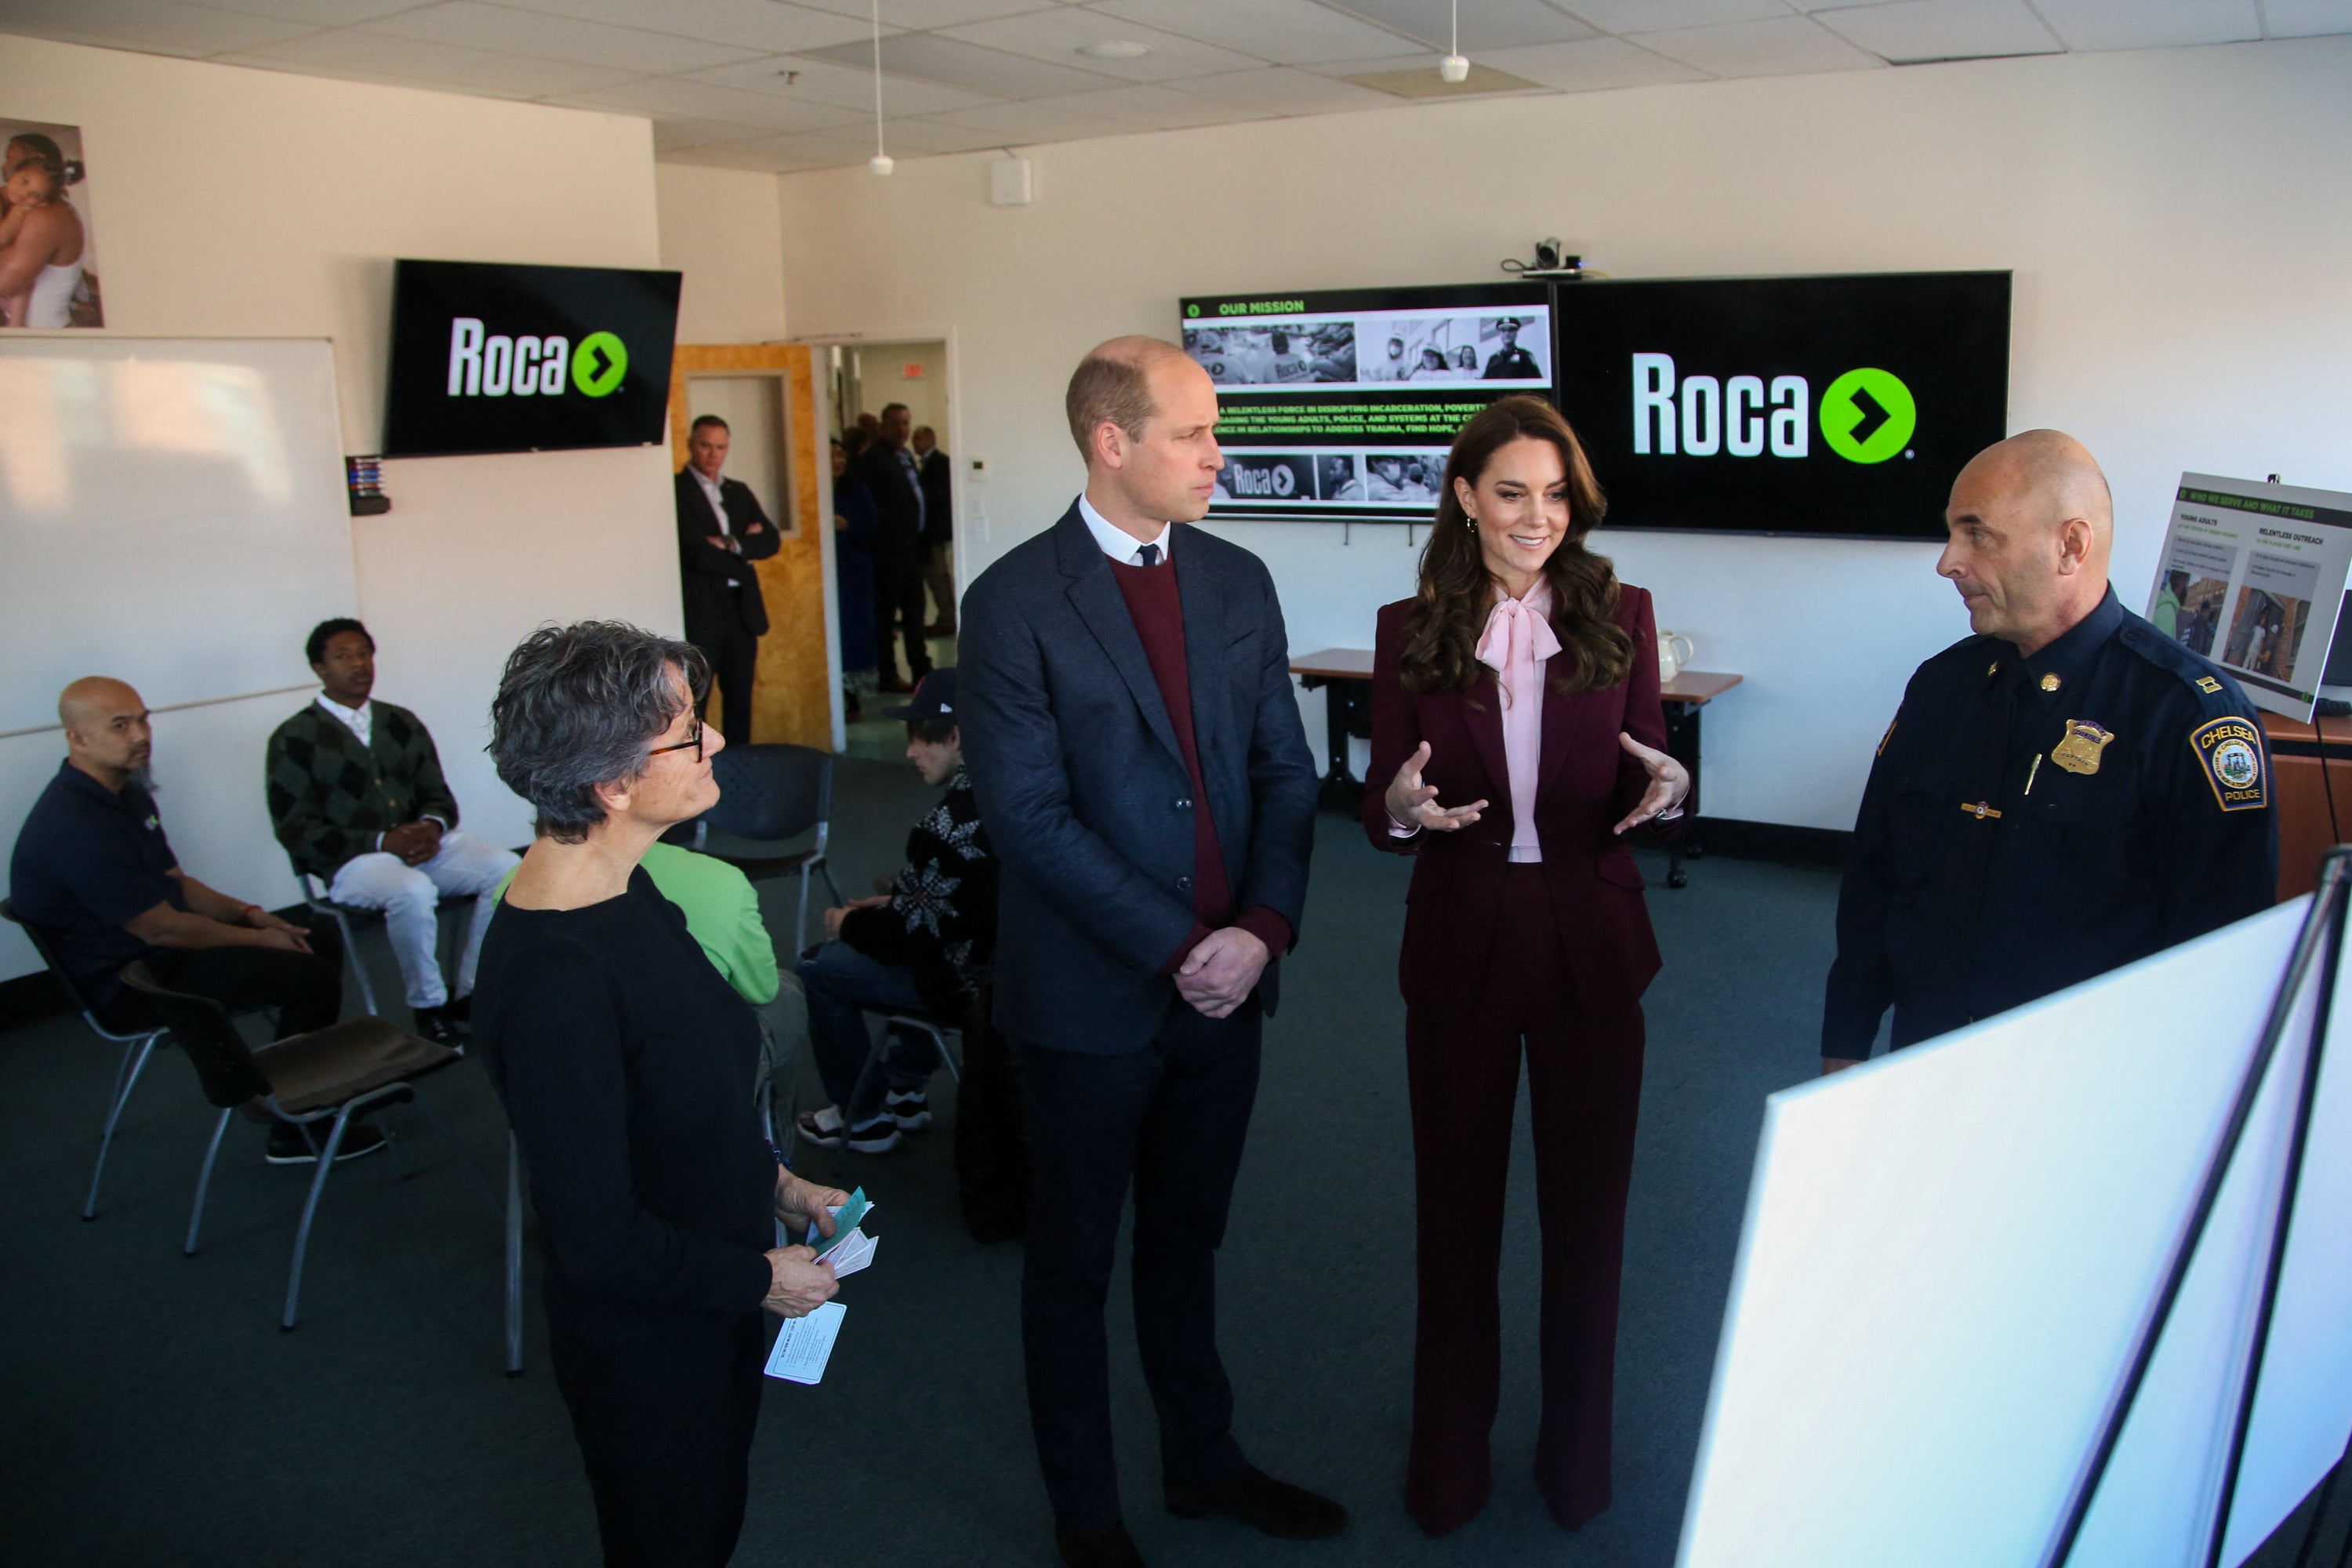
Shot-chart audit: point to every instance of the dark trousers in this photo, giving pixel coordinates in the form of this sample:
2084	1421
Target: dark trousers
898	610
1171	1119
306	988
1584	1085
663	1404
734	655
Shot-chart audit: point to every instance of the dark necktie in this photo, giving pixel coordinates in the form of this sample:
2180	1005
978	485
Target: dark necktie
1148	554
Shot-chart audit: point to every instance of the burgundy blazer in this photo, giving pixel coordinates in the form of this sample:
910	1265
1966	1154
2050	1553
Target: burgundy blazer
1587	782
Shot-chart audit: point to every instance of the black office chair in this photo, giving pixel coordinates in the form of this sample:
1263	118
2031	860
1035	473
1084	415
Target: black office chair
137	1047
327	1076
770	794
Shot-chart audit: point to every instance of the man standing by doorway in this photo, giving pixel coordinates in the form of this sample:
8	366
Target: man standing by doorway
891	471
721	530
1137	752
938	530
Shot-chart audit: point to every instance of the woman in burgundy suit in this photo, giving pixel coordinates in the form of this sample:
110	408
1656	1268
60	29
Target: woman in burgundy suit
1517	738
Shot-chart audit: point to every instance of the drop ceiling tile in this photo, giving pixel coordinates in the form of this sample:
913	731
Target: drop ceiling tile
1591	65
1278	90
1652	16
1056	35
932	57
2149	24
1485	24
1942	29
770	27
1788	46
678	135
378	56
1287	32
1154	107
921	14
317	13
758	157
674	98
153	26
473	24
1019	123
925	137
821	81
2307	18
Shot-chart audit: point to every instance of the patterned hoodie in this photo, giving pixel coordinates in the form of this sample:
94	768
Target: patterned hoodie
940	921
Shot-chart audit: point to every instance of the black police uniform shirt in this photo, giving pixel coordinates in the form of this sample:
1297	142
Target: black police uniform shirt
87	861
2132	812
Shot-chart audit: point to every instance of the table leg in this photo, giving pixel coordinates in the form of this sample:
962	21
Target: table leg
1347	713
1682	745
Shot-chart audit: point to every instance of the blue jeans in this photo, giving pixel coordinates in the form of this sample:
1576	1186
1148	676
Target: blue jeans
842	985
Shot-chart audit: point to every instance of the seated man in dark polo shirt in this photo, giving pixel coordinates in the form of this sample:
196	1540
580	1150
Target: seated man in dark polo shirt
94	871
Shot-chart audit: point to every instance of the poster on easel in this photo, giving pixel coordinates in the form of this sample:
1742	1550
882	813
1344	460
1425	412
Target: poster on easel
2251	576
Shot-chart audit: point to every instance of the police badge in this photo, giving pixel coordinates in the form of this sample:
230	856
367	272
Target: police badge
2079	752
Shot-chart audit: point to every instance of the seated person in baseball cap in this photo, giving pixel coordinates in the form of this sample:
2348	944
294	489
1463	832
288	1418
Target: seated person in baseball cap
922	947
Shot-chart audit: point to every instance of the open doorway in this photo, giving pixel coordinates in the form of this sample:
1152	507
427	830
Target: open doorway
894	547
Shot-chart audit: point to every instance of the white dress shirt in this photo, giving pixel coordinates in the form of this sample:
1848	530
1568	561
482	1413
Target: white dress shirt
359	720
1117	543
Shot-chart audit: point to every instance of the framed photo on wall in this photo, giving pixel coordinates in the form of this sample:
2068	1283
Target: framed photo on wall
49	267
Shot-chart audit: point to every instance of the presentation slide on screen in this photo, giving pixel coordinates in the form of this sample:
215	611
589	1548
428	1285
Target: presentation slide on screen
2252	576
1338	405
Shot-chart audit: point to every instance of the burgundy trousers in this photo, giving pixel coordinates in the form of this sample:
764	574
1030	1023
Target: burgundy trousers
1584	1081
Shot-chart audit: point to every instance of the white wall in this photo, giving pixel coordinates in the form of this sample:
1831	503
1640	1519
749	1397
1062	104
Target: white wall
229	202
2178	222
723	229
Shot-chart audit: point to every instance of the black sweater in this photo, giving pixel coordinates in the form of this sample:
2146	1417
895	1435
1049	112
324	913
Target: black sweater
627	1064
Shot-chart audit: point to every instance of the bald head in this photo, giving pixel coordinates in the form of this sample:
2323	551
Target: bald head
1114	385
106	735
2031	524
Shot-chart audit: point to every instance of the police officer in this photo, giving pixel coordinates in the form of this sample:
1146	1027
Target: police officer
2061	794
1511	362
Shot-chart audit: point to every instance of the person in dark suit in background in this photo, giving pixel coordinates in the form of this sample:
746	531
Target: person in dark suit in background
721	530
1129	720
891	471
1517	738
938	530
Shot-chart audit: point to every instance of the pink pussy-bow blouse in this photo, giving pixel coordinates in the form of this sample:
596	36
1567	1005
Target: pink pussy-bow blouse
1517	640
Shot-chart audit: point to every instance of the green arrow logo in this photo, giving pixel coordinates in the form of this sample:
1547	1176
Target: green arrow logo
1867	415
602	359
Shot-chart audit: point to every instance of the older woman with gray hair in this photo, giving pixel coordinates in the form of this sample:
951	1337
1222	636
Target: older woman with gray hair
622	1057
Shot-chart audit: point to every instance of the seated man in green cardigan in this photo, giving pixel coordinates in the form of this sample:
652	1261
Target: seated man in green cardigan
357	798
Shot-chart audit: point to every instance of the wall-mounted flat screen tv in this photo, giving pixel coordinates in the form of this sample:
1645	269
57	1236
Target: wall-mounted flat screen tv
1833	405
487	357
1340	406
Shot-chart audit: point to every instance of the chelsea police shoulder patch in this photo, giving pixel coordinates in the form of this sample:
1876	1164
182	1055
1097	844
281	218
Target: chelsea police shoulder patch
2229	750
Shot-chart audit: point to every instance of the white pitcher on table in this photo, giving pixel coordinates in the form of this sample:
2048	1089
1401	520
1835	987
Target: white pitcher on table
1674	654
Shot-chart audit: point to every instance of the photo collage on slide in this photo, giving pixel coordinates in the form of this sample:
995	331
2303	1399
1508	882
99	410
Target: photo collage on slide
2247	572
1422	372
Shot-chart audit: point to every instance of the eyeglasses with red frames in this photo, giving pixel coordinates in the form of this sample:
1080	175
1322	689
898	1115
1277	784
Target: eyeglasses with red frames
692	742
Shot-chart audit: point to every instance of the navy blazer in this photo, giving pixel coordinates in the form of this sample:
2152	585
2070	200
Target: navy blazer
1086	795
705	567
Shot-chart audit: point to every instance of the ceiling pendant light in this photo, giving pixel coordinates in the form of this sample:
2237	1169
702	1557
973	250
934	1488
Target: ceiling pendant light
881	163
1453	68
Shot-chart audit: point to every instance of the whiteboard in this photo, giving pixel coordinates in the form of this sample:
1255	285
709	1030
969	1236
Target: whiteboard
1948	1252
172	511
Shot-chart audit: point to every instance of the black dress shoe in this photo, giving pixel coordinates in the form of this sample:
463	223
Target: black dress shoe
1096	1546
459	1010
1256	1499
435	1025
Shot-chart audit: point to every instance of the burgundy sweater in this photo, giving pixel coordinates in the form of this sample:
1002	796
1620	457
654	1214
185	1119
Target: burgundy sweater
1157	607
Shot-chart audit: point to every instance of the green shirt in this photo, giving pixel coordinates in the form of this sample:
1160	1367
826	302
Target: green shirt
721	911
2166	615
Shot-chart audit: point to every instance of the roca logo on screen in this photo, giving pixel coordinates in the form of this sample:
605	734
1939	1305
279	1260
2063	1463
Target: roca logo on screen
1866	415
494	364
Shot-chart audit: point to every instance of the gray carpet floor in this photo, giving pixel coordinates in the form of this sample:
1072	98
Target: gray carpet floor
154	1414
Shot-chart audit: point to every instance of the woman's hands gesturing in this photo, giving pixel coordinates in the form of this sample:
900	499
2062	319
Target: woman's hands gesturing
1412	804
1669	783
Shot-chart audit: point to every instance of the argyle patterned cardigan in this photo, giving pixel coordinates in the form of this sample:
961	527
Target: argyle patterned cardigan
331	797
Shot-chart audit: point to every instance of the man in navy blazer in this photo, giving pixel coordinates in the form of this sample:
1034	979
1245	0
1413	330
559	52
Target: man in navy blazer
1131	729
721	530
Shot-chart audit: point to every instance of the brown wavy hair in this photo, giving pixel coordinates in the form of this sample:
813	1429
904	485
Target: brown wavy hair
1456	594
